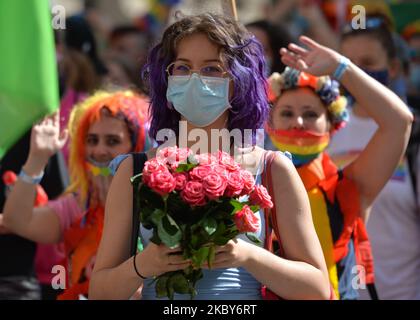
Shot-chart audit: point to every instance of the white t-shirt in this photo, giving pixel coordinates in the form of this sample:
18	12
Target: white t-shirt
393	225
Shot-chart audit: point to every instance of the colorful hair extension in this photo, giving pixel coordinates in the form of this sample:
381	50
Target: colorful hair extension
326	89
126	105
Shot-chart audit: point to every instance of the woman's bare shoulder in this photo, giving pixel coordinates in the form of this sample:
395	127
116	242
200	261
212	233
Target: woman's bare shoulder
281	161
283	171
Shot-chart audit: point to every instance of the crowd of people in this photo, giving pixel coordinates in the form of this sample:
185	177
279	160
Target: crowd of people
338	108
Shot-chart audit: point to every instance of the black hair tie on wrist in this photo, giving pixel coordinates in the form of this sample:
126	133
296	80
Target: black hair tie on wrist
135	267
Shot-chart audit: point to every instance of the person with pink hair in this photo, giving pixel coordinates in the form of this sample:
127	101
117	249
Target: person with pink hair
101	127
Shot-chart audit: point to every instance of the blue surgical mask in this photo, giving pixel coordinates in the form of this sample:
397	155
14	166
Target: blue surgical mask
201	100
381	76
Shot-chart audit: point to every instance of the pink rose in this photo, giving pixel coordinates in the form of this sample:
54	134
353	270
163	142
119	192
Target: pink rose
246	220
248	181
174	155
228	162
221	170
214	185
173	166
200	172
193	193
165	153
152	166
162	182
181	179
261	197
206	158
235	184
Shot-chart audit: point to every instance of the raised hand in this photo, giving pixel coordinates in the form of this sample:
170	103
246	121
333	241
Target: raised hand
46	140
316	60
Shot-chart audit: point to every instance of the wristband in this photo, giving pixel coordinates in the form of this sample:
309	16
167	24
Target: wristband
342	67
28	179
135	268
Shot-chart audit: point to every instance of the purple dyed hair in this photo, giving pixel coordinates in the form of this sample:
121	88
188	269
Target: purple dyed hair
244	60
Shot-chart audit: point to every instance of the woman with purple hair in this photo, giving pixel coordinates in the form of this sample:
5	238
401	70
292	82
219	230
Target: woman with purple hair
207	73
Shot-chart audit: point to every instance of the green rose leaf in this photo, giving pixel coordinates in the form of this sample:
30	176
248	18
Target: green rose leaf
145	217
212	254
199	236
169	232
156	216
139	245
171	291
218	236
253	238
184	167
236	206
221	241
255	208
161	286
200	256
149	198
180	283
155	238
177	208
209	224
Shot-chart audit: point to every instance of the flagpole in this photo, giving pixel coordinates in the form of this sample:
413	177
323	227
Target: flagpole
233	8
229	9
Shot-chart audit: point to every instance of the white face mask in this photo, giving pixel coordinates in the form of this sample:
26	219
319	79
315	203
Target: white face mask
201	100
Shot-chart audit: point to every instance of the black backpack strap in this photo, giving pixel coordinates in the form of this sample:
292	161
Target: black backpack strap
372	291
138	163
411	154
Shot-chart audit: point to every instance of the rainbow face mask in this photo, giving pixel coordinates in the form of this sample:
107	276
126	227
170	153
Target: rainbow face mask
100	177
304	146
98	168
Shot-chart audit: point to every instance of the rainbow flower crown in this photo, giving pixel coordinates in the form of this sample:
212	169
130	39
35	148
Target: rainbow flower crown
326	88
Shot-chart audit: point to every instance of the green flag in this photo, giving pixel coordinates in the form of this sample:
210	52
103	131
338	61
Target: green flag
28	68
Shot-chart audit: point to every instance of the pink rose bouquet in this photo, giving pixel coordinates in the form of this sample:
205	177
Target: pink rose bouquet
197	203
